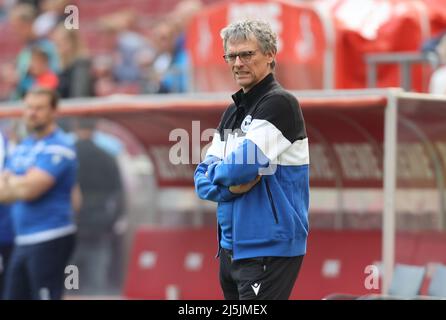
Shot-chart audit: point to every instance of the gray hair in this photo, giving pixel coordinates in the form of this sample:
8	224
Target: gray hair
248	29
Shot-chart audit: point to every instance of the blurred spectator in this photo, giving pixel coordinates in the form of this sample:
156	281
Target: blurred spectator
118	67
34	3
5	6
175	78
39	73
22	18
183	13
52	12
170	69
128	44
162	39
437	83
103	204
75	77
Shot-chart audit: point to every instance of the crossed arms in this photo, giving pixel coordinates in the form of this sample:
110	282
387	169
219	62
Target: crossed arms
31	186
224	179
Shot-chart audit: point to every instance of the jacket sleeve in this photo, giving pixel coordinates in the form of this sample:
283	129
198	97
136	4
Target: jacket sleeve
277	125
205	189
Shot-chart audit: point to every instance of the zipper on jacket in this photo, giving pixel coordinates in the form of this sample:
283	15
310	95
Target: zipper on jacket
270	196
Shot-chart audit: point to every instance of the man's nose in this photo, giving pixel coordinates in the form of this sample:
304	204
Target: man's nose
238	61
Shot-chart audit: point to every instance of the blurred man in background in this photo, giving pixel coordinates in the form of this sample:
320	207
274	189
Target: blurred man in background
103	203
40	185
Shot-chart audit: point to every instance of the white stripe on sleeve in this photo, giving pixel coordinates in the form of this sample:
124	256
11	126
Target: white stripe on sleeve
268	139
296	155
60	150
217	147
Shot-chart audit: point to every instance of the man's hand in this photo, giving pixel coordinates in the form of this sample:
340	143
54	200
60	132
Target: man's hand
243	188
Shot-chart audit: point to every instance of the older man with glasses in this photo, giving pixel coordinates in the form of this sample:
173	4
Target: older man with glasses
257	169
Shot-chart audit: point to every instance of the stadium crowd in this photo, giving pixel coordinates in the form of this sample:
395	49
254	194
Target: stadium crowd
125	50
128	58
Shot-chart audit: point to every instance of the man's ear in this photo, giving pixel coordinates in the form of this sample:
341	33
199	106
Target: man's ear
271	56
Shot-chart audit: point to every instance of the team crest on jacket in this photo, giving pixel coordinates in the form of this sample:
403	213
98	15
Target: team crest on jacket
246	123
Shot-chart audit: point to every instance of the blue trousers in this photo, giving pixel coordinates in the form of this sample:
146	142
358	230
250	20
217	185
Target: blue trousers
37	271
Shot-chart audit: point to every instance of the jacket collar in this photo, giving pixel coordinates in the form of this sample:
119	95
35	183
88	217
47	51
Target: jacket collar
246	100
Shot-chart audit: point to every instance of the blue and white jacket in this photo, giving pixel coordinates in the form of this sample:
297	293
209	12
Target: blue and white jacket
261	133
50	216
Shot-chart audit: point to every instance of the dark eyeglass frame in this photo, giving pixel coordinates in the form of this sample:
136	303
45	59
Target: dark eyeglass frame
245	56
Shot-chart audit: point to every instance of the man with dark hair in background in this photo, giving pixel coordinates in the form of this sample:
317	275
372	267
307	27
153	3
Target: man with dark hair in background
40	183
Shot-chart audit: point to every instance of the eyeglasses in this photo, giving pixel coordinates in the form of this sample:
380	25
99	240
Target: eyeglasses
245	56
